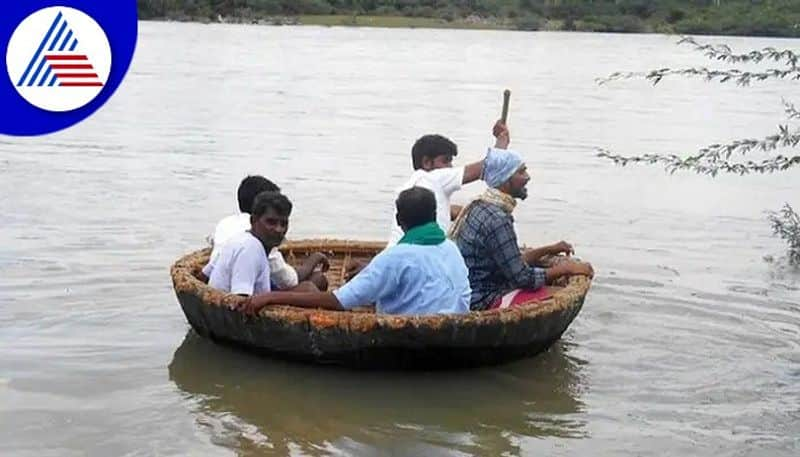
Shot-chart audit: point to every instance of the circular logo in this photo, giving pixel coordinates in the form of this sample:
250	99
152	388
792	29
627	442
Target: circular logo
58	59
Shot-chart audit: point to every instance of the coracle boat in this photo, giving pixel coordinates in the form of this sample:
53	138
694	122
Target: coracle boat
364	339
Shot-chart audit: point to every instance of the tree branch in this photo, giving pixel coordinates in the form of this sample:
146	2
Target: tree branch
723	53
715	158
786	224
741	78
673	163
790	109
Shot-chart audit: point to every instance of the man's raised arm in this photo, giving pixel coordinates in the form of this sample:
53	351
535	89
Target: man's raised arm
473	171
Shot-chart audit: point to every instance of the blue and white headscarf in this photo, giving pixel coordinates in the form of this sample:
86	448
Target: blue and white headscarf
499	165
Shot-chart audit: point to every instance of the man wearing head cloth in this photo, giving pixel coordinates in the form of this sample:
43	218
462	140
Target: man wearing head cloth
499	274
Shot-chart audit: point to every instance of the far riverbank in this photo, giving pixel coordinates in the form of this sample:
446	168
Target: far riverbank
614	24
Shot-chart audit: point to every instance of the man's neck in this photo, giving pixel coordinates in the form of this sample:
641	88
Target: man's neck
501	198
505	192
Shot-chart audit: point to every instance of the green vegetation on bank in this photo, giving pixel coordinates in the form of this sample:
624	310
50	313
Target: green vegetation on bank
723	17
393	21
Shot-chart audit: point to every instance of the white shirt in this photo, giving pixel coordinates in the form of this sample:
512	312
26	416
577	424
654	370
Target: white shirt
443	182
282	274
241	267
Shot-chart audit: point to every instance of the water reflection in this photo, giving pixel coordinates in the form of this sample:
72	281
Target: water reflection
260	406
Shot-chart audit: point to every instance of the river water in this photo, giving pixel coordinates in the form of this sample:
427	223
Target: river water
688	344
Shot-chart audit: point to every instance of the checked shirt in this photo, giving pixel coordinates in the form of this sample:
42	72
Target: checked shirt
489	246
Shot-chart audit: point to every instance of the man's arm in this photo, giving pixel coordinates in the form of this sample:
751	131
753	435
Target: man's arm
569	269
323	300
500	131
474	171
304	271
532	256
245	271
365	288
282	275
502	242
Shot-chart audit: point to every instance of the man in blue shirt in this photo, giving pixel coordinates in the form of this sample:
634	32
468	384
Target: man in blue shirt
423	274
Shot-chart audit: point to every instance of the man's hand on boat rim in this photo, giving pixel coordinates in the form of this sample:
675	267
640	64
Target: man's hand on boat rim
253	304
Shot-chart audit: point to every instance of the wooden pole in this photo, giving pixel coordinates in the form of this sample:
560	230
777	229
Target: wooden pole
506	97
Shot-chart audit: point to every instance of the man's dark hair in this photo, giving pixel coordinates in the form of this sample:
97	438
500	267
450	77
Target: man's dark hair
416	206
432	146
252	186
271	200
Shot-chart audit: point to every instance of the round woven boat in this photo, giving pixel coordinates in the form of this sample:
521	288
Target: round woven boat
364	339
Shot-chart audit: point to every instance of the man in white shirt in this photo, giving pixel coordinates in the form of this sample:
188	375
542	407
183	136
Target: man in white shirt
282	275
241	265
432	158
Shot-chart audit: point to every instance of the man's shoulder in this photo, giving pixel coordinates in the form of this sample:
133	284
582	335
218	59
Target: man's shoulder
402	256
436	179
491	208
244	241
450	247
420	178
488	214
233	220
230	226
451	252
413	255
397	253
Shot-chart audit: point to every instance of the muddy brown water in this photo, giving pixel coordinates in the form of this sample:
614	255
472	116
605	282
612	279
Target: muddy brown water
687	345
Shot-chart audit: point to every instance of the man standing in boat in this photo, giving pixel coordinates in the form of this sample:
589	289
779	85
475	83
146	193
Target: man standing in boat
422	274
432	159
499	274
282	275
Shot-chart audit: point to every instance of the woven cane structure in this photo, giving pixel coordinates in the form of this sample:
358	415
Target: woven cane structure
369	340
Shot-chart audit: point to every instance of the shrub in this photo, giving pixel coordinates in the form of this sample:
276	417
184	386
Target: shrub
675	15
786	225
529	22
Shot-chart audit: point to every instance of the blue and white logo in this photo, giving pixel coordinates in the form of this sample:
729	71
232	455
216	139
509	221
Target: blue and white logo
63	60
58	59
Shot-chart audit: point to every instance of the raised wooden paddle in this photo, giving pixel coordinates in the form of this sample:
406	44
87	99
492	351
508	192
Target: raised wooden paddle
506	97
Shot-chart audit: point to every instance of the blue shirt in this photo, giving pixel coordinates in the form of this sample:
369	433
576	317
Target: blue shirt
413	280
241	267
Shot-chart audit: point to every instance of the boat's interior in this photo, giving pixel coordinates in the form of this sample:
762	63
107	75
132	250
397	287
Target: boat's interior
340	254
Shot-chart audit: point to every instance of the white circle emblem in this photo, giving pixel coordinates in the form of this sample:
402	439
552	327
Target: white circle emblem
58	59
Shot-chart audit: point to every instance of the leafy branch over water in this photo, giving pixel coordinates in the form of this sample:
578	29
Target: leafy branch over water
723	53
724	158
786	224
716	158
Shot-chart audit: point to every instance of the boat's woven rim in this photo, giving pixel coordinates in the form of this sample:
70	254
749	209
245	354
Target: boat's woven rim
184	281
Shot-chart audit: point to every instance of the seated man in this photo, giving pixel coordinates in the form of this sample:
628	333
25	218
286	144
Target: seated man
499	275
282	275
241	267
432	158
423	274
